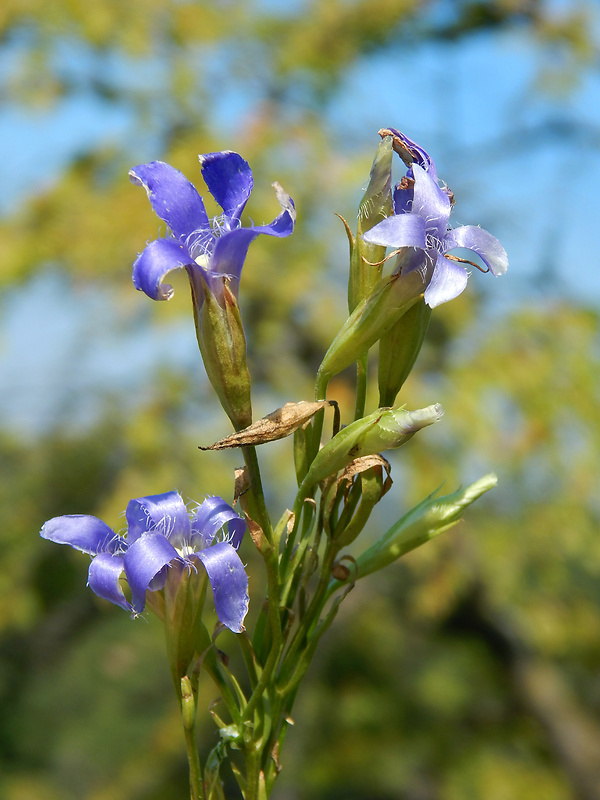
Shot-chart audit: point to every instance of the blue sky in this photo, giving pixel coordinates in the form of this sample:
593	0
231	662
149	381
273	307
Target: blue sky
524	165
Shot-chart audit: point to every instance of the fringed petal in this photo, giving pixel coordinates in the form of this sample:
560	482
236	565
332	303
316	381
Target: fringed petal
159	513
402	230
229	584
430	202
154	263
487	247
174	199
103	579
83	532
229	180
448	281
211	516
146	563
418	154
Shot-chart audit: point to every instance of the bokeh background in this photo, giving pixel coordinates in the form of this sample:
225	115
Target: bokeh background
470	670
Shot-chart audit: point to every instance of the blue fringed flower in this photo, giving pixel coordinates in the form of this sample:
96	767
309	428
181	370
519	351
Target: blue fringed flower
420	221
161	534
209	250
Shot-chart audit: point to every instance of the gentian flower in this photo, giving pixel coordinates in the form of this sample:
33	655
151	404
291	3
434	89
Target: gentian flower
211	252
420	221
161	536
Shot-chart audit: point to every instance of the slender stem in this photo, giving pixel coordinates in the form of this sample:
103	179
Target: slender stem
196	787
256	491
361	386
188	703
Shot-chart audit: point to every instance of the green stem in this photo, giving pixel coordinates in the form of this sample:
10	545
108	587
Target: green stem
361	386
257	493
196	787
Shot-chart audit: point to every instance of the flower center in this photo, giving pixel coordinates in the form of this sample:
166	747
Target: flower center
201	242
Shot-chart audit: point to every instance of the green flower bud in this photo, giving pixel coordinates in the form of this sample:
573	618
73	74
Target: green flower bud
371	319
222	344
384	429
398	351
424	522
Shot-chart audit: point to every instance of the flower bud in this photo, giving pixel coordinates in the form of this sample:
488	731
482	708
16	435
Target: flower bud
222	344
384	429
398	351
424	522
371	319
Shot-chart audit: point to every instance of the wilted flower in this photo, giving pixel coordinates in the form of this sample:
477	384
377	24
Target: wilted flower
210	251
161	535
420	221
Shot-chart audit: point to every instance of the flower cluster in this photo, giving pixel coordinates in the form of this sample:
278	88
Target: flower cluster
160	535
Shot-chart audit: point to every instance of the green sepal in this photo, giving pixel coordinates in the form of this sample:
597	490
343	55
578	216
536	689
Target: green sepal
222	343
366	260
425	521
186	635
399	349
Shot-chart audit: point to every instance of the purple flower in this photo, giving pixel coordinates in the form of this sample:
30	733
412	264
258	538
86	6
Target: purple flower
420	221
210	251
160	535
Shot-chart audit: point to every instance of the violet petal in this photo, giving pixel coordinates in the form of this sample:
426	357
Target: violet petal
145	561
83	532
229	180
229	584
402	230
448	281
211	516
487	247
430	202
159	513
103	579
174	199
154	263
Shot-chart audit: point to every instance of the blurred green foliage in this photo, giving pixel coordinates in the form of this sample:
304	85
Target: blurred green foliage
468	671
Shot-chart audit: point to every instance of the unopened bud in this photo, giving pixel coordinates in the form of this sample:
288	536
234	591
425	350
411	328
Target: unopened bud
424	522
373	317
384	429
398	351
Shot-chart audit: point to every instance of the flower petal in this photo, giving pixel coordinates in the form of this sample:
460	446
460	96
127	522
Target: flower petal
154	263
419	155
400	230
103	579
229	584
231	248
83	532
487	247
282	225
448	281
145	563
229	180
174	199
430	202
159	513
211	516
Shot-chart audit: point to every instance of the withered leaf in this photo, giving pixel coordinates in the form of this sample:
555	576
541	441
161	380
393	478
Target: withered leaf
277	425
